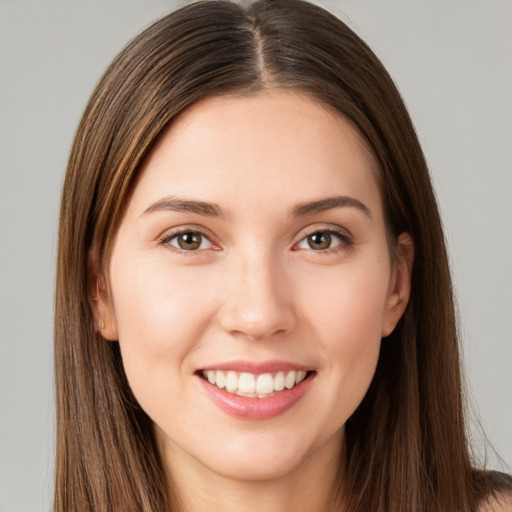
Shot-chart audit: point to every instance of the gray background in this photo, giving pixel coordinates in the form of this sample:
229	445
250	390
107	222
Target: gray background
450	58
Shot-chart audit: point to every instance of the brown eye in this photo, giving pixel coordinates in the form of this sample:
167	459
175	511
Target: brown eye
319	241
188	241
324	240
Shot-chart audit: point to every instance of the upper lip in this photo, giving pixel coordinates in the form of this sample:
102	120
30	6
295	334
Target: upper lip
257	367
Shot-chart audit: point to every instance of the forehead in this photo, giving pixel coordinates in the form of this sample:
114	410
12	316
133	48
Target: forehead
272	147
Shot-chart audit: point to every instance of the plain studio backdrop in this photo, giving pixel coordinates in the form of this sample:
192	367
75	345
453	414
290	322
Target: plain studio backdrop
452	61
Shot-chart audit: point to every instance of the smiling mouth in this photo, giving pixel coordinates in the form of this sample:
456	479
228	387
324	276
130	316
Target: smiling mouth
252	385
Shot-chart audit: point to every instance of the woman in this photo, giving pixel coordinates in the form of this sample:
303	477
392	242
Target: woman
254	307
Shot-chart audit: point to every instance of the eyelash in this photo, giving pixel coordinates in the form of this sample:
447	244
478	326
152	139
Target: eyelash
345	240
166	239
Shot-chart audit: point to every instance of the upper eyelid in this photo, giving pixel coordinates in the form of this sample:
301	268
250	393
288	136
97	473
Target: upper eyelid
165	239
345	237
303	233
326	228
173	232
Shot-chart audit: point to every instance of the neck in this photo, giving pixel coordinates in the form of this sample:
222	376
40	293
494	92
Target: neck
310	487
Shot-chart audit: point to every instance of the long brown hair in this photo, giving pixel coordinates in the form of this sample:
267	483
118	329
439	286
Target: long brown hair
406	445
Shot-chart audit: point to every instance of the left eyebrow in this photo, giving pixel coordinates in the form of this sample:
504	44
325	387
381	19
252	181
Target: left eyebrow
329	203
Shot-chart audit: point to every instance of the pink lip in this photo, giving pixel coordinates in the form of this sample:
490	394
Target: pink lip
256	408
257	367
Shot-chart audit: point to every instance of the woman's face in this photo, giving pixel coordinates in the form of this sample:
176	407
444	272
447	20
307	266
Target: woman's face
253	253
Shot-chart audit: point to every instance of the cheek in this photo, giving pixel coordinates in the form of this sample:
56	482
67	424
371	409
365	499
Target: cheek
157	303
350	302
346	319
160	316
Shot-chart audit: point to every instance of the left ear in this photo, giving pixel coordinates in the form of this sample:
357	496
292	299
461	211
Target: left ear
399	285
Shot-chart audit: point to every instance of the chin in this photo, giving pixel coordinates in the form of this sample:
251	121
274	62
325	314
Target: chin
261	468
265	456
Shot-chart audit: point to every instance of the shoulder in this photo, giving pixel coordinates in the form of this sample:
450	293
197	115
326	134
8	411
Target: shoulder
501	502
498	491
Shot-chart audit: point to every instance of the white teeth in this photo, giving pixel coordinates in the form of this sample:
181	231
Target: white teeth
220	380
248	395
289	381
250	385
265	384
247	383
279	381
231	382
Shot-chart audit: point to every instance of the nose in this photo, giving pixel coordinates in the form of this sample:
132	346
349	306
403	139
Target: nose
258	303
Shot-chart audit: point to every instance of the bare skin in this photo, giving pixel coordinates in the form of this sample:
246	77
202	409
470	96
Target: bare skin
255	233
500	503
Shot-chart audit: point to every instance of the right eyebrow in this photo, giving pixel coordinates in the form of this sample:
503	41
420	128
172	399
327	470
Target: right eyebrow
185	205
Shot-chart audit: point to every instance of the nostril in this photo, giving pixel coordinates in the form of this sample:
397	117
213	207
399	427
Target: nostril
257	314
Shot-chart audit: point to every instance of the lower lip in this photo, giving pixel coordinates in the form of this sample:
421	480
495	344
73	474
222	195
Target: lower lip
256	408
